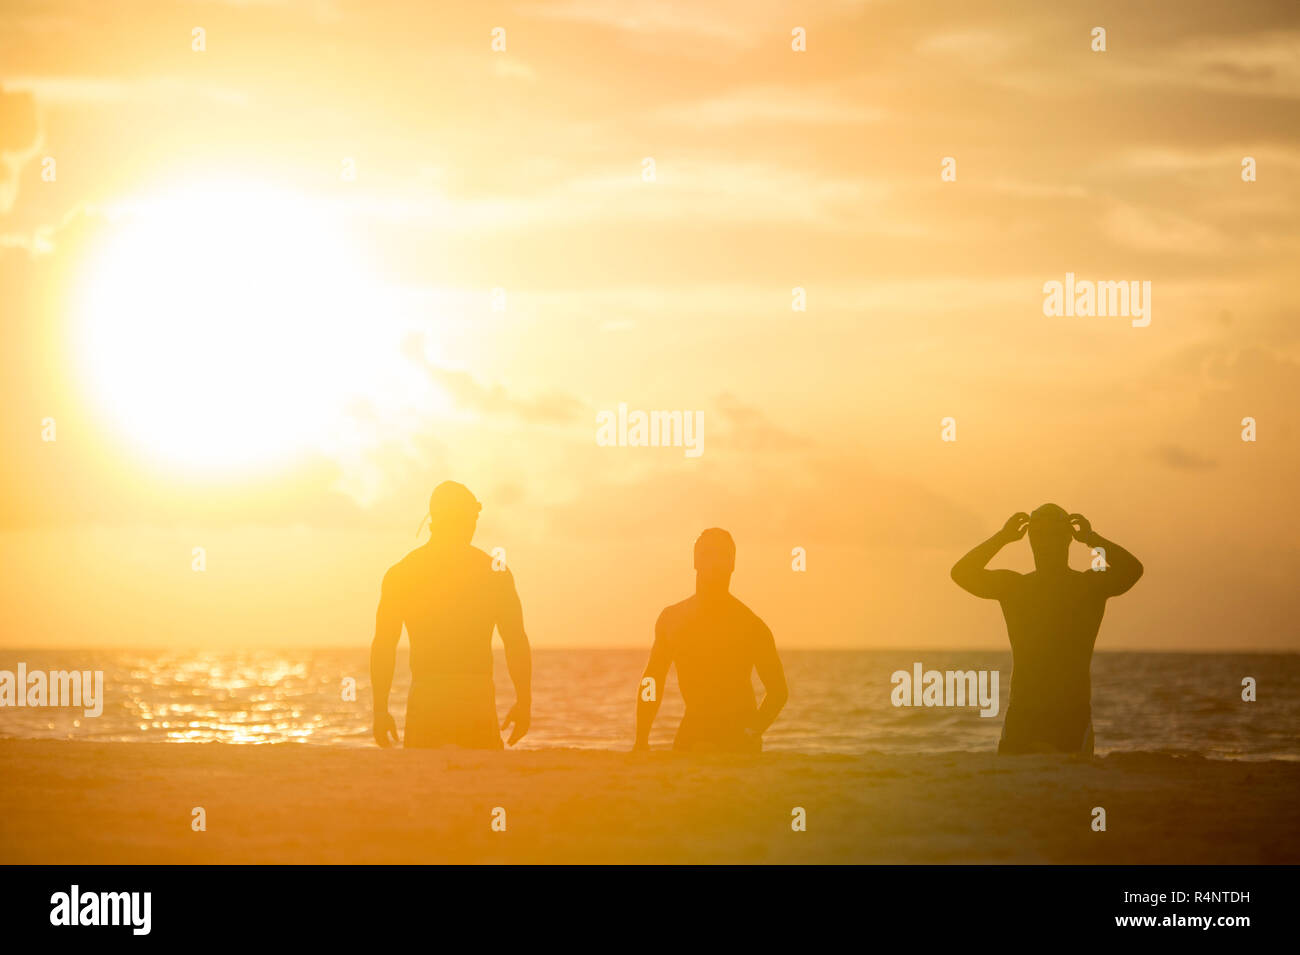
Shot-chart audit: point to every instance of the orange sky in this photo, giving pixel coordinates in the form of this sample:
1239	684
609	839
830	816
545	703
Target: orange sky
522	170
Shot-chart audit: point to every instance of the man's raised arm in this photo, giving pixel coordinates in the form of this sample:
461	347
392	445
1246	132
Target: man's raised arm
971	573
1122	568
383	658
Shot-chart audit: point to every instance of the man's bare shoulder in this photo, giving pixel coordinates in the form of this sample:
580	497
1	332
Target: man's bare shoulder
401	572
672	617
1035	576
743	611
409	562
1014	578
420	558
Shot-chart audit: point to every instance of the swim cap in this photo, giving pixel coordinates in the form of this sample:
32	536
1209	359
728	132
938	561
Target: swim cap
451	498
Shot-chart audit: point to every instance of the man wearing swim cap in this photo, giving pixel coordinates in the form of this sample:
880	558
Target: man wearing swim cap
716	643
450	599
1053	615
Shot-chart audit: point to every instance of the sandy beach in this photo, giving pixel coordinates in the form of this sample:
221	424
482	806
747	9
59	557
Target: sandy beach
68	802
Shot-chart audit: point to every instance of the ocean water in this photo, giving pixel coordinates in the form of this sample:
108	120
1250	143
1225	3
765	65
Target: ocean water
839	701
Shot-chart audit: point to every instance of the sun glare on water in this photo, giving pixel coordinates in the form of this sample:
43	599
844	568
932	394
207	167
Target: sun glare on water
230	328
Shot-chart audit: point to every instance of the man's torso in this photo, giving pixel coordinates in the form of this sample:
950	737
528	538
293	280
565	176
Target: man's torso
450	600
1052	623
713	646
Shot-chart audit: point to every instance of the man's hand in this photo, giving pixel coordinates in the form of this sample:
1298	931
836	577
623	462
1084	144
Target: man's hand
1015	527
522	717
1082	529
385	726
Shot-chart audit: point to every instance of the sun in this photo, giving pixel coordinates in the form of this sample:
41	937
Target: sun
228	327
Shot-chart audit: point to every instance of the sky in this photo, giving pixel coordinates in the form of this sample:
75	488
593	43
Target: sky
259	298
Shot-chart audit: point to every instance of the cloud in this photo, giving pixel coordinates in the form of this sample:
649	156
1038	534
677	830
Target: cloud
830	501
1265	64
99	90
17	121
730	27
742	192
774	104
514	69
1184	459
471	395
982	47
749	429
1161	230
19	138
553	408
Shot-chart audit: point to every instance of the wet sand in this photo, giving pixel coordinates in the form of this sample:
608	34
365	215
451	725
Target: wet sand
69	802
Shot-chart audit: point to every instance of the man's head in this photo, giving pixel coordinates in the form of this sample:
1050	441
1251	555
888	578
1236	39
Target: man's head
715	557
1050	533
453	513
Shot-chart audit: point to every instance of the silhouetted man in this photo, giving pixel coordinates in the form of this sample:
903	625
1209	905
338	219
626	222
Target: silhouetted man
716	642
450	598
1052	615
